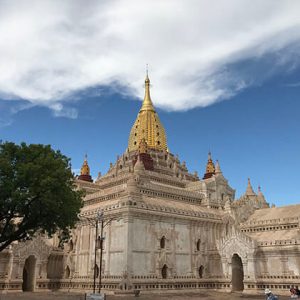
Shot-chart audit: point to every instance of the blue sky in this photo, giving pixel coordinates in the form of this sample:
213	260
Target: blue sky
231	87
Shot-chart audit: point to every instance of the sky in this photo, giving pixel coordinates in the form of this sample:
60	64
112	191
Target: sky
225	78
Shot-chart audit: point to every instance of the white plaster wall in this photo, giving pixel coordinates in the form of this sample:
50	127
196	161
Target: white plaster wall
83	264
215	265
142	236
294	264
141	263
117	249
274	265
85	238
163	226
183	264
182	249
117	238
182	239
141	244
116	263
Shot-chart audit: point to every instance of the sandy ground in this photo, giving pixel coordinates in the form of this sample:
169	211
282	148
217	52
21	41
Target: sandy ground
149	296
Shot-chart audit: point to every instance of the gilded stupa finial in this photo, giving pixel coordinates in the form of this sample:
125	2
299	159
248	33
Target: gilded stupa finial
147	125
85	171
210	167
147	103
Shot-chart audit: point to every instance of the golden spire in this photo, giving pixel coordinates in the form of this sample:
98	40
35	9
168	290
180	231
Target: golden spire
210	167
147	103
147	125
85	169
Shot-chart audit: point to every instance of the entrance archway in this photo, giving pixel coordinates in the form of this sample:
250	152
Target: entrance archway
201	271
67	272
28	284
164	271
237	273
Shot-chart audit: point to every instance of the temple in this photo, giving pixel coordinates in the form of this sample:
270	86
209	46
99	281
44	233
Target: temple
164	228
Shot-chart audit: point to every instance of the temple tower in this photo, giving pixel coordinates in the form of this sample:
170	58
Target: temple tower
147	126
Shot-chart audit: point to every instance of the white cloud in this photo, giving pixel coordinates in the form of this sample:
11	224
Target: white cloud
293	85
61	111
5	122
52	49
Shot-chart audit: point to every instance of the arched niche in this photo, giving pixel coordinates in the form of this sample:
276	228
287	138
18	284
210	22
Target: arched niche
29	279
200	271
237	273
164	272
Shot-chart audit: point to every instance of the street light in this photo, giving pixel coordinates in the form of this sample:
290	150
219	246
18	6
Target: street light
99	217
98	244
101	248
101	251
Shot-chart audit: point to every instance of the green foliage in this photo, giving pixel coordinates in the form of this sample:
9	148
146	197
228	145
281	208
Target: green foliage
37	192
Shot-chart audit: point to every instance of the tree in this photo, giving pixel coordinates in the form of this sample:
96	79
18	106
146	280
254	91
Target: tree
37	192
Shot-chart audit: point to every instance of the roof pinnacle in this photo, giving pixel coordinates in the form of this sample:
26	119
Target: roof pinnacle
210	167
147	103
85	171
261	198
218	168
147	125
249	190
139	165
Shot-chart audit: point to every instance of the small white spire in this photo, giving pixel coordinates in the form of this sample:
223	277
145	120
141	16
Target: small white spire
249	190
218	168
259	190
139	165
209	155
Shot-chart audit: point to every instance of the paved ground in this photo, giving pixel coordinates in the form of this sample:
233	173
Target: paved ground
148	296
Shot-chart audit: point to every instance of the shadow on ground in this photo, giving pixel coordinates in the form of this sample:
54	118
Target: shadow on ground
148	296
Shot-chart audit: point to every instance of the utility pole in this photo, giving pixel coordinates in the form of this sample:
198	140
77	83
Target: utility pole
101	251
98	244
99	217
95	257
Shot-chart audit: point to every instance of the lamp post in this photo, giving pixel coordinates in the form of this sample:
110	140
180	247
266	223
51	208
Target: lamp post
98	244
101	248
101	251
98	218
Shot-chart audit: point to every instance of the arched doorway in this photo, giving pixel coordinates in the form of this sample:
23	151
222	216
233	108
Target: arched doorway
237	273
67	272
201	269
198	245
164	271
29	274
163	242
